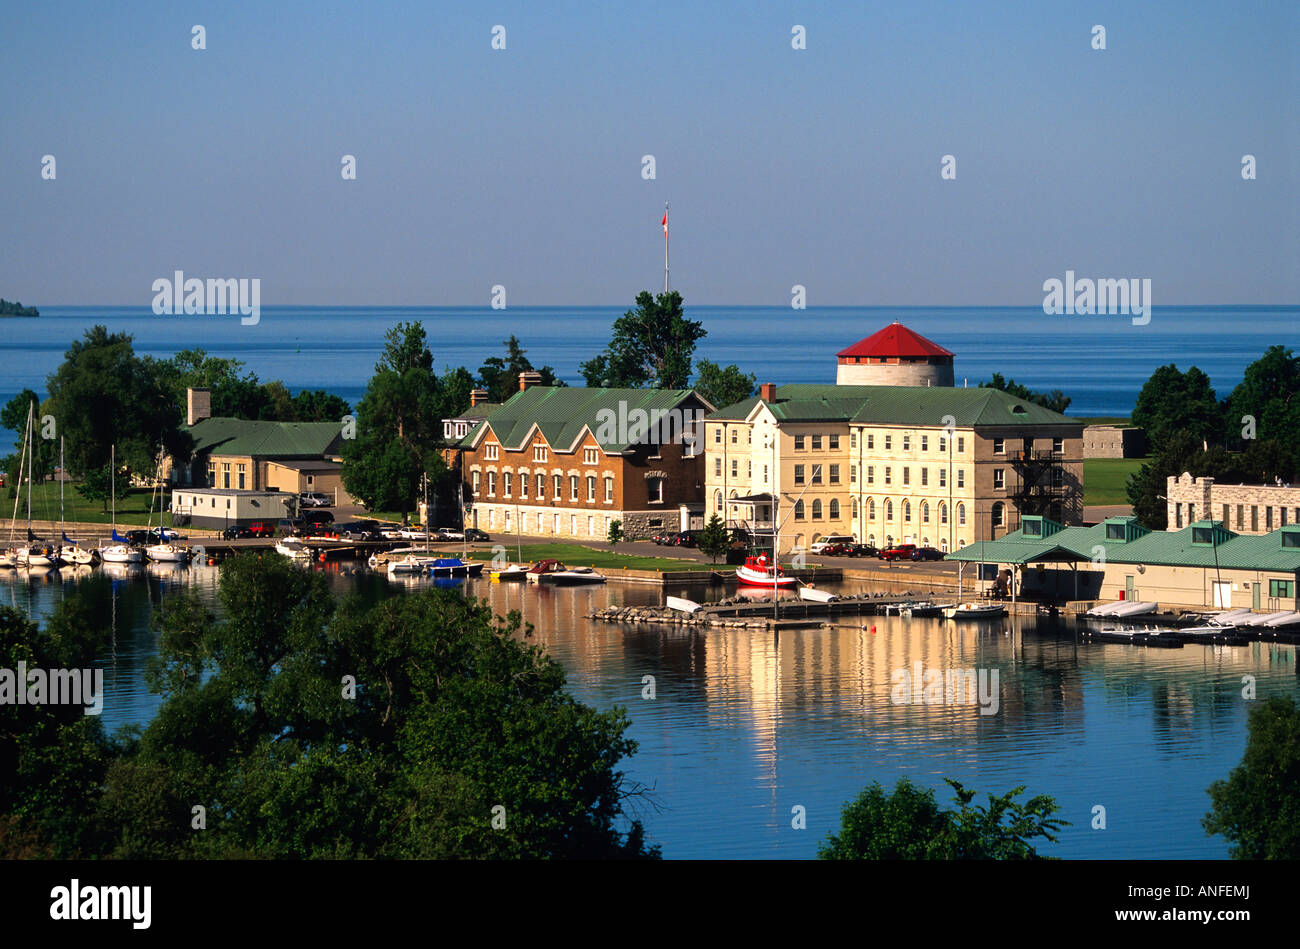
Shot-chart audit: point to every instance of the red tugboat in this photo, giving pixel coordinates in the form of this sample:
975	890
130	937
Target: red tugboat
761	572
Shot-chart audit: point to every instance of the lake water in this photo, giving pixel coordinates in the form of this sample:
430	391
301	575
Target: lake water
1099	361
747	725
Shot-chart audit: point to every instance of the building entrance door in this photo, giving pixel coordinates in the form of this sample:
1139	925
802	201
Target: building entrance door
1222	594
1255	595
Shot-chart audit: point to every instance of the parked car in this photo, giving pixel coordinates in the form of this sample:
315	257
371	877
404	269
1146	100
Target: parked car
835	550
476	535
314	499
235	532
289	525
830	540
261	529
862	550
661	538
319	516
685	538
162	535
449	533
138	537
927	553
898	552
358	530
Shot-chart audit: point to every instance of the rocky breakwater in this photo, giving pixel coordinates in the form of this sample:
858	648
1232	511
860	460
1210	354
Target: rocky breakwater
662	616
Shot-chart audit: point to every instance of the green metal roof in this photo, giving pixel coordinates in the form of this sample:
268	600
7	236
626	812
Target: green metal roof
898	405
561	412
1165	548
235	436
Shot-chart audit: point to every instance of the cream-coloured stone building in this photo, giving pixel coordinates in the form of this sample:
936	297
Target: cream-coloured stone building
1242	508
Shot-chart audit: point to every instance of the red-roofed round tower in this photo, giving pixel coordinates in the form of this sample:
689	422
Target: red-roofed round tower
894	356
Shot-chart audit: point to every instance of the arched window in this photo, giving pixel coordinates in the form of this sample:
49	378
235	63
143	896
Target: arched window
961	515
871	509
999	514
817	509
907	512
835	509
943	514
925	512
798	510
717	501
943	545
855	506
871	539
889	511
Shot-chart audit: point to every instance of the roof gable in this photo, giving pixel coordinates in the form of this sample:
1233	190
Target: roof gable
264	439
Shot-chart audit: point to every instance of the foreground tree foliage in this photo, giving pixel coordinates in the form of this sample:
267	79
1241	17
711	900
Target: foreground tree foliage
419	727
651	347
908	824
1257	809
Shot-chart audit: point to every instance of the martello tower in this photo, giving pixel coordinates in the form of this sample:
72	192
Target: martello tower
894	356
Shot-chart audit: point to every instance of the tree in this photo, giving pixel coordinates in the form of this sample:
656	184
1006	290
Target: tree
722	387
714	540
317	405
908	824
1268	394
95	485
104	395
1171	401
651	347
420	727
399	426
44	450
1257	809
615	532
1056	400
501	376
1182	453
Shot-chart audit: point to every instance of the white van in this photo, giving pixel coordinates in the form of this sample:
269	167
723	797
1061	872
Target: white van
829	540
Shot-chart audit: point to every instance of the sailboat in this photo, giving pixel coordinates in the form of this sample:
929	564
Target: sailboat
33	555
164	552
9	556
71	552
120	551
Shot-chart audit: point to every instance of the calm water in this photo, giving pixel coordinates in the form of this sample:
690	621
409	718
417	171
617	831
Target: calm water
1100	361
746	725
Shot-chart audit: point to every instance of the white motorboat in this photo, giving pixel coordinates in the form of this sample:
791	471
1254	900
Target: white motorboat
409	565
8	558
972	610
515	571
293	548
573	576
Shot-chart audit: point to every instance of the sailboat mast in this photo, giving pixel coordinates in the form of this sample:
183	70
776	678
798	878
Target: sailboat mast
112	480
29	470
62	528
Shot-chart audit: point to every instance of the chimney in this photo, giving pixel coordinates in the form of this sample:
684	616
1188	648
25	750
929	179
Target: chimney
527	379
198	405
477	397
767	392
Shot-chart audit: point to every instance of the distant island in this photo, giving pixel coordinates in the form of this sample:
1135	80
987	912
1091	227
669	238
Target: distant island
17	309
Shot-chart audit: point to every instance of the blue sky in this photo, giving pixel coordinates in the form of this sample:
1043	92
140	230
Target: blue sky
522	167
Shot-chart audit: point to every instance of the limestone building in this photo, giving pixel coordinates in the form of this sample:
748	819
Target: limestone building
1241	508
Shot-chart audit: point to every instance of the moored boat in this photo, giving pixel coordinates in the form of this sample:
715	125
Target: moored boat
971	610
455	567
761	572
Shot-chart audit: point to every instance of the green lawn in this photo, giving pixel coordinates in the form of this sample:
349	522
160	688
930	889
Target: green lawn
132	509
1105	479
576	555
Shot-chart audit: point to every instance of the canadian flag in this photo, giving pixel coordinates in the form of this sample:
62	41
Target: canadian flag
665	224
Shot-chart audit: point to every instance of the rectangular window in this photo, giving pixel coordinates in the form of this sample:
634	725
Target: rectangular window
871	474
243	476
590	456
871	441
961	477
1291	539
506	479
1178	514
749	470
1241	520
1268	512
1058	445
853	439
734	436
961	444
816	443
888	473
943	477
816	474
735	468
907	443
541	487
888	442
925	477
573	487
834	442
717	467
539	453
609	490
907	475
925	443
492	484
557	489
717	434
943	443
798	443
835	474
798	474
1254	518
999	446
491	452
656	490
523	485
1281	588
853	474
591	487
999	479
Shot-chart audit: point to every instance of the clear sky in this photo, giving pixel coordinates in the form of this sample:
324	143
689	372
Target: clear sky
522	167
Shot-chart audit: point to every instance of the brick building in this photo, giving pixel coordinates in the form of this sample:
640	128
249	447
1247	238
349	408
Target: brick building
1242	508
567	461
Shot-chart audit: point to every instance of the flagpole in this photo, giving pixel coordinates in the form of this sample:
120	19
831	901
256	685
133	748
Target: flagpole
665	247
